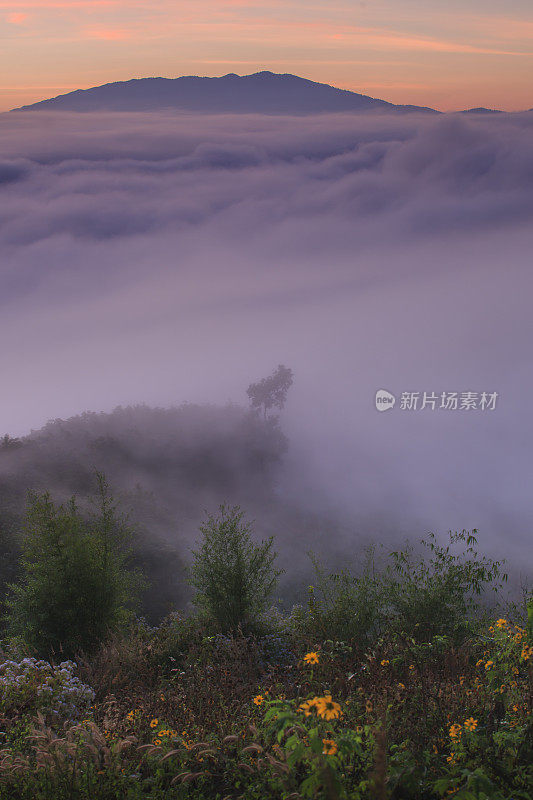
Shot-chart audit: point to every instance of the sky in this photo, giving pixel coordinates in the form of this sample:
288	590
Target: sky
448	55
165	258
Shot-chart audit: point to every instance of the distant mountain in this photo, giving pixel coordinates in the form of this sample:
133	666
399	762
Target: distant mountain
482	110
262	92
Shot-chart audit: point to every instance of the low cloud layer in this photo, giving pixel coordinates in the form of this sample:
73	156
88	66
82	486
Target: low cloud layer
167	257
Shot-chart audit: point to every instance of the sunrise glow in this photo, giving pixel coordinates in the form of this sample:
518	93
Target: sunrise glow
458	56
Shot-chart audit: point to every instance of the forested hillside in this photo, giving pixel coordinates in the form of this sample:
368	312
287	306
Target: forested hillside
165	467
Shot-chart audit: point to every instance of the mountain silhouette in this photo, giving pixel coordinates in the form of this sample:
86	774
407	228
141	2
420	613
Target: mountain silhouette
262	92
482	110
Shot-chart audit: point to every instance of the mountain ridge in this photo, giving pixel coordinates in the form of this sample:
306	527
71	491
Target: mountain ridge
260	92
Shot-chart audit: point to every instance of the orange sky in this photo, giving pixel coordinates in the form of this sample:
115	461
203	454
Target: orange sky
449	55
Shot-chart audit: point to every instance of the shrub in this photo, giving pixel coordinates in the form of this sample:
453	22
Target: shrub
437	592
76	583
233	576
343	607
438	595
29	687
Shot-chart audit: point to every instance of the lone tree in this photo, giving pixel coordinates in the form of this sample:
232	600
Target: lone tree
271	392
233	576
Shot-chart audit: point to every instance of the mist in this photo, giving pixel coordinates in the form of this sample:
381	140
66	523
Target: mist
163	258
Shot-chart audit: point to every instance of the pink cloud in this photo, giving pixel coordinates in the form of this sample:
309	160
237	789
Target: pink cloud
108	34
17	18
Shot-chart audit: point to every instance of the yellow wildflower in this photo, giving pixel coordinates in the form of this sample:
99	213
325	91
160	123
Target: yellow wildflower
401	686
157	741
368	706
330	747
258	700
455	731
308	705
154	723
527	652
470	724
501	623
385	662
311	658
489	664
328	708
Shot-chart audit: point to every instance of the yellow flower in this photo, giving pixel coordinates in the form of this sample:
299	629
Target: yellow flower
154	723
330	747
311	658
462	679
517	637
368	706
455	731
359	729
157	741
489	664
385	662
470	724
527	652
411	666
259	699
478	663
401	686
308	705
328	708
501	623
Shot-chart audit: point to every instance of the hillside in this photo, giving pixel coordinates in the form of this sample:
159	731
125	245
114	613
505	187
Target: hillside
165	468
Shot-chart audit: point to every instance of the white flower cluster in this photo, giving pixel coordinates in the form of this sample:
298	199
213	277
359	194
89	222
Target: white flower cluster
30	686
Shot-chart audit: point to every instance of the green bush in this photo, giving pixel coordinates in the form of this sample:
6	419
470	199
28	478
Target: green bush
343	607
233	577
76	584
440	591
441	594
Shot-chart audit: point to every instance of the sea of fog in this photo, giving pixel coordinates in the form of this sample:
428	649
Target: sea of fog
168	257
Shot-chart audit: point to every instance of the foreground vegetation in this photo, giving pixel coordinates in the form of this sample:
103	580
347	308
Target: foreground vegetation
405	680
